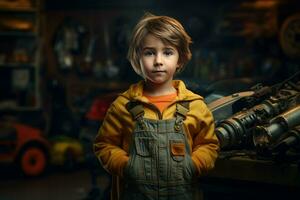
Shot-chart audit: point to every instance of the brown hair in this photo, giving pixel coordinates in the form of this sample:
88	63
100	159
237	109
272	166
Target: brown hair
168	29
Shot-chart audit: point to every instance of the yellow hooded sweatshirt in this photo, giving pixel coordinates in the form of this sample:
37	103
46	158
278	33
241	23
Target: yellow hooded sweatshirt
112	142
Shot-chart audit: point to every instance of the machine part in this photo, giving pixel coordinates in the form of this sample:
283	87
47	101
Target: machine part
266	135
235	131
289	36
232	132
292	140
222	108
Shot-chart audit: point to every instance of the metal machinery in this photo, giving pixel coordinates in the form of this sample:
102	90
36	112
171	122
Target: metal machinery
259	134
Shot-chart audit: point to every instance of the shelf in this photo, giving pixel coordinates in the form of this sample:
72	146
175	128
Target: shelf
20	56
17	65
19	10
18	34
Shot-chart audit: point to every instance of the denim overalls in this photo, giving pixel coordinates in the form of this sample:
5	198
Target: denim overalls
160	164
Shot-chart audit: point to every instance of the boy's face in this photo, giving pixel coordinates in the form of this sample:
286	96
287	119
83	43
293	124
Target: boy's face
158	60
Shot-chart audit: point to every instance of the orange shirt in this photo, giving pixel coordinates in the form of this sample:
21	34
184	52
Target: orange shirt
161	102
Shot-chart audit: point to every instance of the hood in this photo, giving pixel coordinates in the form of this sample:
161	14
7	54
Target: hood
135	92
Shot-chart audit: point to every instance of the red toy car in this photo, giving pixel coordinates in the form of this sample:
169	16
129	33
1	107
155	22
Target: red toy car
25	146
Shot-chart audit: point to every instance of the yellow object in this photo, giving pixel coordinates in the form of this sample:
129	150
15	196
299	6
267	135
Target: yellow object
112	142
15	4
64	149
16	24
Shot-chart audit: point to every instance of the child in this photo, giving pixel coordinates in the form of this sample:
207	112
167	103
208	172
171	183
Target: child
158	136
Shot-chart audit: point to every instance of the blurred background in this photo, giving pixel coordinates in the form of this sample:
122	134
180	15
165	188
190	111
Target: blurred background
63	62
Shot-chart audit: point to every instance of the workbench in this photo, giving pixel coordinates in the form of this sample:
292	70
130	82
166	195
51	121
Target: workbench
246	177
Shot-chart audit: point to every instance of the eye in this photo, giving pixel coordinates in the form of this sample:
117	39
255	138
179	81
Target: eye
169	52
148	53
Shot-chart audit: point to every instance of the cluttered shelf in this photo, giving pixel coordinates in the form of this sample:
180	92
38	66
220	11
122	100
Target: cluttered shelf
20	55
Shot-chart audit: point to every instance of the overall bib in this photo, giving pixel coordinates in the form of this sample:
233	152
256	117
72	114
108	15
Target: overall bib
160	164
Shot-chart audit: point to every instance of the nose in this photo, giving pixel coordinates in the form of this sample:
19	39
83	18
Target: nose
158	60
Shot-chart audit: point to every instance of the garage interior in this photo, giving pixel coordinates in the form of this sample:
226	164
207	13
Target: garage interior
63	62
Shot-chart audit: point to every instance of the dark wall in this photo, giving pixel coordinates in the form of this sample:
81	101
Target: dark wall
230	38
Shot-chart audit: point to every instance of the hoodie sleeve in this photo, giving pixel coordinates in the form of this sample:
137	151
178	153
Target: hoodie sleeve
205	146
108	143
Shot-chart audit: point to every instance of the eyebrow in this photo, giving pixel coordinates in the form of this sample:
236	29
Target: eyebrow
153	48
148	48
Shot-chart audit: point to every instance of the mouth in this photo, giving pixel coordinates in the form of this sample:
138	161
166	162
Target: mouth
159	71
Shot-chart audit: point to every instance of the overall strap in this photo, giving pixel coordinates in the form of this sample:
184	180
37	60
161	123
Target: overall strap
182	108
136	109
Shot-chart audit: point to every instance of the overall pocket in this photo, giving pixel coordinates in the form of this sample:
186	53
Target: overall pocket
140	160
144	146
177	150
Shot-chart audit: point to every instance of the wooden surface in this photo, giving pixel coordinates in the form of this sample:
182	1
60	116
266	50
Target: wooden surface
243	168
